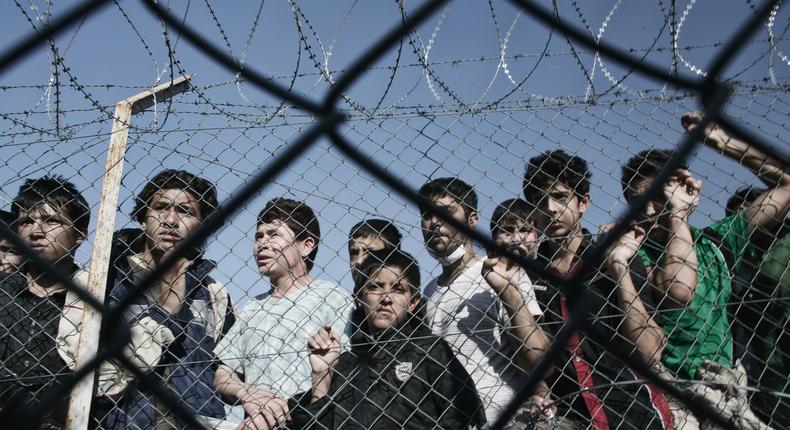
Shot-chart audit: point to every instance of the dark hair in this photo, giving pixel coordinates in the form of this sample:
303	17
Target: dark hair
389	258
57	192
203	190
379	228
299	217
646	164
7	218
743	196
459	190
509	212
555	167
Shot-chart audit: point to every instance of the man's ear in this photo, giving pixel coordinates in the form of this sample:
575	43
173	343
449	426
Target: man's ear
414	302
472	219
306	246
584	202
78	239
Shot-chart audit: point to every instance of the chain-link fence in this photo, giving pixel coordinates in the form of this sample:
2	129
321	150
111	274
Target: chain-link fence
219	212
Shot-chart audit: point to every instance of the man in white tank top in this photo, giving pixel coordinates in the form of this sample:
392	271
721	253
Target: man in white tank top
474	305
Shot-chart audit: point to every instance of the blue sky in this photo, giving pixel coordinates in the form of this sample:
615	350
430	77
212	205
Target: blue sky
428	123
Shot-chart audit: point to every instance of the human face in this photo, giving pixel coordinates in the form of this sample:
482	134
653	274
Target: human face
519	236
277	251
358	250
655	210
48	232
171	217
10	259
560	211
441	237
387	299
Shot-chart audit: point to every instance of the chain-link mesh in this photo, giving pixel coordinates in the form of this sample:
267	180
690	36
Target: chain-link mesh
209	307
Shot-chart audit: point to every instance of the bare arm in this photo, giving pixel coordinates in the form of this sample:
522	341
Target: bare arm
530	340
638	325
773	205
675	274
264	410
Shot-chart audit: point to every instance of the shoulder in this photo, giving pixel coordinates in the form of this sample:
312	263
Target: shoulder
431	345
11	285
431	288
329	291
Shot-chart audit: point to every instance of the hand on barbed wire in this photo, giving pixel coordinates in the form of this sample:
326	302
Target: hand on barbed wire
324	348
264	410
500	272
714	136
682	193
624	249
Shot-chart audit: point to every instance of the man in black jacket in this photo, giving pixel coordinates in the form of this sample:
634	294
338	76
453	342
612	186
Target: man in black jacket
51	218
592	388
397	374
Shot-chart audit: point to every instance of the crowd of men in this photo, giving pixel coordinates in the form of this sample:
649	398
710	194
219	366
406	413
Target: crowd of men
704	307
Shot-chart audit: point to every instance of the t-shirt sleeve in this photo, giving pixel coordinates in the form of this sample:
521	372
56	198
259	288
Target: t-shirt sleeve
528	292
231	349
734	231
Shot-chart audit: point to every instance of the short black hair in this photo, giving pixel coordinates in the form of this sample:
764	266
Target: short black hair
389	258
57	192
7	218
553	167
743	196
171	179
459	190
509	212
375	227
298	216
646	164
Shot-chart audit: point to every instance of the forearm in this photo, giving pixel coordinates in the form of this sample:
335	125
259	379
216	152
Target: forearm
229	385
322	382
530	341
765	167
676	271
638	326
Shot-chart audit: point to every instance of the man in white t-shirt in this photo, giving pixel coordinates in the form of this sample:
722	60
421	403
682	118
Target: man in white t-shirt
263	357
477	304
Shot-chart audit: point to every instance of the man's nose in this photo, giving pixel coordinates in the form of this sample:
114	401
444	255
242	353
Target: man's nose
38	229
171	218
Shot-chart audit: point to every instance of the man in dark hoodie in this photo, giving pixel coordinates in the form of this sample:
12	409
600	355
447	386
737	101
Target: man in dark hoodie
186	311
397	374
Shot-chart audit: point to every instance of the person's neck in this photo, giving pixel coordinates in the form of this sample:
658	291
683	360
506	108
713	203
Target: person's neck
42	285
290	283
151	258
451	271
564	252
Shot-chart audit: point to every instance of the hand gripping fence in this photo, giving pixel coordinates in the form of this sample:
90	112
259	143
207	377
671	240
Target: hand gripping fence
711	93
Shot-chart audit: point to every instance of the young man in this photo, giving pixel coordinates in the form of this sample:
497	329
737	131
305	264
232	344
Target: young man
10	258
180	318
368	236
513	227
558	186
263	360
691	268
473	304
51	218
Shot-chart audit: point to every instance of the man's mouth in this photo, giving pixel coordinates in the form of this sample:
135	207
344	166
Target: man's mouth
170	236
